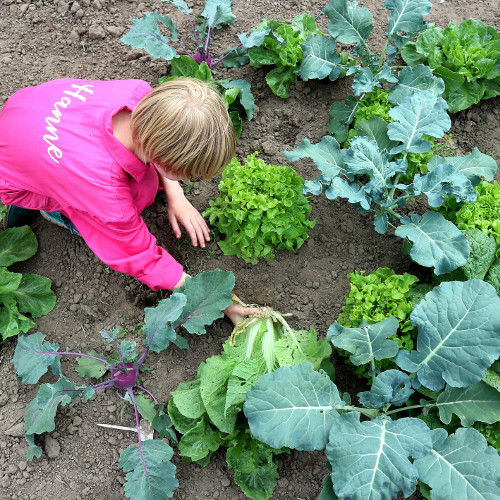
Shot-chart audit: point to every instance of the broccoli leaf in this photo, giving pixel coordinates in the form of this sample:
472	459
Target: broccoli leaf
157	328
320	59
348	22
370	459
476	402
283	407
406	15
436	242
390	386
418	115
160	481
417	79
30	363
460	466
458	337
366	343
145	34
208	295
218	12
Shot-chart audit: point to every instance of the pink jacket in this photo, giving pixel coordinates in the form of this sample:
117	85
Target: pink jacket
57	152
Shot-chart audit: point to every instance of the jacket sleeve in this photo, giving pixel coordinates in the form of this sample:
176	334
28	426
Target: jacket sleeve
128	247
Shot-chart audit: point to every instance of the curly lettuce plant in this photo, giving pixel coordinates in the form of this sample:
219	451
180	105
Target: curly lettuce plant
150	474
466	57
369	175
379	295
260	208
21	294
378	450
483	214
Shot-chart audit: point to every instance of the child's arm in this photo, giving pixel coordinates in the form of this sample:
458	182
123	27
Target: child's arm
180	210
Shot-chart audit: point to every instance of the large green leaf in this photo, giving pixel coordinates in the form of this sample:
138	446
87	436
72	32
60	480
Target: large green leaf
444	180
473	166
416	79
218	12
476	402
320	60
390	386
245	95
458	324
34	295
208	294
145	34
157	321
418	115
187	399
460	466
160	482
11	320
200	441
348	22
293	406
370	459
30	363
326	155
366	343
436	242
406	15
16	244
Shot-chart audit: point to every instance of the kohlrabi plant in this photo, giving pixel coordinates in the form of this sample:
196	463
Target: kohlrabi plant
352	24
369	175
150	474
392	449
466	57
207	411
260	208
21	294
145	34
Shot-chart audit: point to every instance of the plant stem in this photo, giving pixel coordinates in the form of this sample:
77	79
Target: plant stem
405	408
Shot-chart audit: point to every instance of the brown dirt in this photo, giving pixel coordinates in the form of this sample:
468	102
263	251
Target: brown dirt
45	40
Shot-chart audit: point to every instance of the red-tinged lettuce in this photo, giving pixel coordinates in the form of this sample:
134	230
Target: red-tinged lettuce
466	57
261	208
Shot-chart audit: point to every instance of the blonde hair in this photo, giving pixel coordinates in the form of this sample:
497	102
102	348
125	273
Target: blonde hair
183	127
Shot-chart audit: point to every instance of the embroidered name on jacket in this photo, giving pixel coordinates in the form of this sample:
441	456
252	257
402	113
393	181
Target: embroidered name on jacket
54	152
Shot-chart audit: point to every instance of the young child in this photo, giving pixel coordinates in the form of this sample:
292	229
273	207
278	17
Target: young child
93	154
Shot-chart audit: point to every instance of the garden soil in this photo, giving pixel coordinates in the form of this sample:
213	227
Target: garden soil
47	39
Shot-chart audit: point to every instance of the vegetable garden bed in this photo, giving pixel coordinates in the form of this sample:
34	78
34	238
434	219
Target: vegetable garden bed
45	40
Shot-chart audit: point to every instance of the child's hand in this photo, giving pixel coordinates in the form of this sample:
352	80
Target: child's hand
180	211
236	312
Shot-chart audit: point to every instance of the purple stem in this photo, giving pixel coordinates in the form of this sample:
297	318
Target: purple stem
104	385
138	426
195	36
71	354
225	55
145	390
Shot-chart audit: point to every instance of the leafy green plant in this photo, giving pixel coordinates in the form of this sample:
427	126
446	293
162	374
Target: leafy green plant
279	45
369	175
150	474
483	214
375	106
21	294
352	25
377	296
260	209
207	411
387	452
237	93
145	33
466	57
